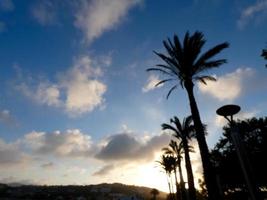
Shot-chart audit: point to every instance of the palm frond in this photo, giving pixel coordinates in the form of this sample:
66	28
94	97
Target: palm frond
209	54
203	79
164	81
170	91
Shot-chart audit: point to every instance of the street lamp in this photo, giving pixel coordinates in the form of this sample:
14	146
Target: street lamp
227	112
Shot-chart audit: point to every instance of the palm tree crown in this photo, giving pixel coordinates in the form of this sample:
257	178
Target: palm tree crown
183	62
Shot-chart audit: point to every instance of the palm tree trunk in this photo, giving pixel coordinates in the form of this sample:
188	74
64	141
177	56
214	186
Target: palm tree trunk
182	185
169	184
176	183
190	177
209	173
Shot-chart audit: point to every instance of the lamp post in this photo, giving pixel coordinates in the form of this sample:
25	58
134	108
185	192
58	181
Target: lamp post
227	112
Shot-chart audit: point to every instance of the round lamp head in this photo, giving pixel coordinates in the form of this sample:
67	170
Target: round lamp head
228	110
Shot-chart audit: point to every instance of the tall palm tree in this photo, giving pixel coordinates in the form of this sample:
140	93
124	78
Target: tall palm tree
177	151
185	132
184	65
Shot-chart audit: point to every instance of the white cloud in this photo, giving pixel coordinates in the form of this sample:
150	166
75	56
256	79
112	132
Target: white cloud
229	86
7	5
71	143
84	92
77	90
44	12
97	16
151	82
250	13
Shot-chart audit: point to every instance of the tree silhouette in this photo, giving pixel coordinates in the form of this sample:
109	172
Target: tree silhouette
264	55
177	150
254	135
154	192
185	132
167	163
184	65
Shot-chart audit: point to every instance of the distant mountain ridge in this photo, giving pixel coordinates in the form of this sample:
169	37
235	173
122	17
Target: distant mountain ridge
91	192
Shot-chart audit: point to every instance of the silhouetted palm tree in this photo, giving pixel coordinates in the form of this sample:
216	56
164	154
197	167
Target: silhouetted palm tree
167	162
264	55
177	151
154	192
185	132
185	65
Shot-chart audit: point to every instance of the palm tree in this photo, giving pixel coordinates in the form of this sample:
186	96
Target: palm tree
167	162
177	151
185	132
264	54
185	66
154	192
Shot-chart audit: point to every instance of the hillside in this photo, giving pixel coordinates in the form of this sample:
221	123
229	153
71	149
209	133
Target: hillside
89	192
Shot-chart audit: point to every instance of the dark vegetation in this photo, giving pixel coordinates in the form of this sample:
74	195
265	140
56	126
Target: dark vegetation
71	192
223	173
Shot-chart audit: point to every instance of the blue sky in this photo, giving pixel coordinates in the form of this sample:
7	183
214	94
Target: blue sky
75	96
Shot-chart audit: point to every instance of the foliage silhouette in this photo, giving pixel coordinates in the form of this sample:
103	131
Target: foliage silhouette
184	65
185	132
254	135
177	150
264	55
154	192
167	163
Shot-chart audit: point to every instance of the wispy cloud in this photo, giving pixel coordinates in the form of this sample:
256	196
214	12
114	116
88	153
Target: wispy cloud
253	12
7	5
44	12
98	16
227	87
104	170
151	82
77	90
7	118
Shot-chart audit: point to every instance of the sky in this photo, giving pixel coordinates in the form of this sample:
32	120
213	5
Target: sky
76	103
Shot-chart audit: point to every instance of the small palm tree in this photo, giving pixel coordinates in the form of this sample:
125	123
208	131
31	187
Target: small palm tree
185	132
264	54
184	65
177	150
154	192
166	162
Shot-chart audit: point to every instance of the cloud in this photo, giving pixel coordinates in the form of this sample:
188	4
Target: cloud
151	82
49	165
44	12
126	146
7	118
98	16
84	92
77	90
229	86
10	155
71	143
252	12
104	170
7	5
